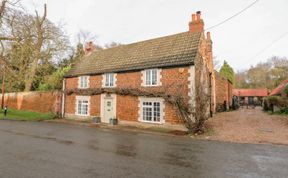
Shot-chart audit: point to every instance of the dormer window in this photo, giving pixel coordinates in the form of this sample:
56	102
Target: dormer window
152	77
83	82
109	80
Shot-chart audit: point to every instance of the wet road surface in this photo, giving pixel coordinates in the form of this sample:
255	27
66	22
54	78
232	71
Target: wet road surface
39	149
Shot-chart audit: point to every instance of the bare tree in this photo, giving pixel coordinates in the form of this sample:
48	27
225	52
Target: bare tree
38	42
40	30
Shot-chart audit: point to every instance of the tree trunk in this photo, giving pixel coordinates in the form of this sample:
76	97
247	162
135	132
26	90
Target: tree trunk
40	39
30	76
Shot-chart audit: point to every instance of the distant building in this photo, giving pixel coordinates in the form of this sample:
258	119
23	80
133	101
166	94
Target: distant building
250	96
279	90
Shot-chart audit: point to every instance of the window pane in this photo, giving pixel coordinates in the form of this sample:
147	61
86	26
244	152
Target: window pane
154	77
106	80
109	80
151	111
147	103
151	77
83	81
85	109
147	114
79	107
156	112
82	107
148	76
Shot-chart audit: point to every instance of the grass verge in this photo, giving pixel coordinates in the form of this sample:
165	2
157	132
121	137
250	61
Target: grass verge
22	115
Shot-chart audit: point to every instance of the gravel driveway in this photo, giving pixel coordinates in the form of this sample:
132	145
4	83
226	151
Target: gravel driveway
249	126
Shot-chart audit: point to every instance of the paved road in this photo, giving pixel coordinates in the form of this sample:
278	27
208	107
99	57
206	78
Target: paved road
49	150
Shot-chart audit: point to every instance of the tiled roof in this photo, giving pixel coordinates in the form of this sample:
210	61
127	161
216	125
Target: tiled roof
173	50
278	90
250	92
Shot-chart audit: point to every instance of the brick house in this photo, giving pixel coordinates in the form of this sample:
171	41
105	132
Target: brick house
279	90
250	96
174	65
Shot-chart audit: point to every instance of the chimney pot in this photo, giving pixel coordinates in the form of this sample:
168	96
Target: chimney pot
89	48
193	17
198	14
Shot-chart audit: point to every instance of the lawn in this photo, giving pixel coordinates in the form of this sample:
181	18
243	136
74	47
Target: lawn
22	115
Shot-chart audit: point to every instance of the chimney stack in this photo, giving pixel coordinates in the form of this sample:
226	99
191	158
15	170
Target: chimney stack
89	48
208	36
197	24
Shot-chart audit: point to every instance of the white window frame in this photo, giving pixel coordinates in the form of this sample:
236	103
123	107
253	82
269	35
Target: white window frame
82	99
144	100
83	83
149	77
109	80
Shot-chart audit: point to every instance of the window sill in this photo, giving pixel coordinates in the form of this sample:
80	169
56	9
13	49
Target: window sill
108	86
151	122
152	85
82	115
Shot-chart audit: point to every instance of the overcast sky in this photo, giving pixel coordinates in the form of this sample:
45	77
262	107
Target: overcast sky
128	21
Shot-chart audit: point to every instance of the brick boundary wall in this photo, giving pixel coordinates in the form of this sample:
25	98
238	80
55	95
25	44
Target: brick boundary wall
221	93
42	102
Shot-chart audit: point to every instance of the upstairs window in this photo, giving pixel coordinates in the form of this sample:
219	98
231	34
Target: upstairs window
151	77
83	81
109	80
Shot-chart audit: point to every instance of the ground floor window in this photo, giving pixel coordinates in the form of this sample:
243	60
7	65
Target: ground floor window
82	106
151	110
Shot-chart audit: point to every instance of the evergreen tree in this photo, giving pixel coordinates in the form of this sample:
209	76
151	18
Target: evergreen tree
227	72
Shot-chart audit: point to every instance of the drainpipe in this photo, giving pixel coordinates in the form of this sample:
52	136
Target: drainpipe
63	99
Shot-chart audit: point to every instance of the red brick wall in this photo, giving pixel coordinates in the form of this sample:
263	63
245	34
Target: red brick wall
95	103
95	81
127	108
129	80
70	104
42	102
223	92
230	92
174	81
72	82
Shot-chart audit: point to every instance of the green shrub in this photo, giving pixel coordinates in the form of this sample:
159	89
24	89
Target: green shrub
273	100
284	111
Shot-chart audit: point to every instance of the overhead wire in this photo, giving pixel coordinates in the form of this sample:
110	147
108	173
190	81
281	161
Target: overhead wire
238	13
269	45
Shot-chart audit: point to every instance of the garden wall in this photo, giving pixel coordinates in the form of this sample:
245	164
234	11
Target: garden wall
223	93
42	102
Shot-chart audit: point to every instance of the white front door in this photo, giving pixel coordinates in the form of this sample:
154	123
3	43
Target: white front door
109	110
